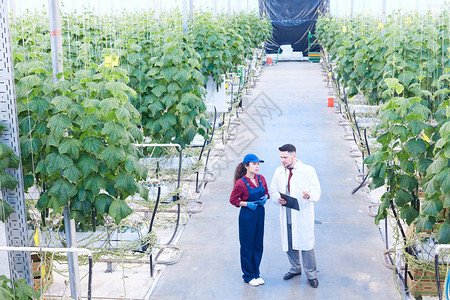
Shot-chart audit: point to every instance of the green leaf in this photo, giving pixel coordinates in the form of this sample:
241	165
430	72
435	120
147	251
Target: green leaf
72	173
421	110
119	210
126	182
93	144
401	131
446	200
445	129
118	89
406	78
409	214
5	151
403	197
407	165
54	204
39	105
432	206
416	126
70	146
103	202
29	146
167	120
443	235
87	122
94	183
407	182
30	81
423	164
28	181
5	210
88	164
108	105
425	223
173	88
62	190
63	86
168	73
182	76
56	162
437	165
169	100
443	178
430	186
61	103
58	124
112	156
190	99
115	132
159	90
415	147
42	203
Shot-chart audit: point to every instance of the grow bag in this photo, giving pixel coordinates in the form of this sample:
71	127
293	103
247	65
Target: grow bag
291	21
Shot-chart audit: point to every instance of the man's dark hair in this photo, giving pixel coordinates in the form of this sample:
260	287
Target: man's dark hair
288	148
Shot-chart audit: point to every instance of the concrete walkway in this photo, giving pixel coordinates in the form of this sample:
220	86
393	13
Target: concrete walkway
289	105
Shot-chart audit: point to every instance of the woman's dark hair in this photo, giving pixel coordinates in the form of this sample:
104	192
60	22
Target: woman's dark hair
288	148
240	171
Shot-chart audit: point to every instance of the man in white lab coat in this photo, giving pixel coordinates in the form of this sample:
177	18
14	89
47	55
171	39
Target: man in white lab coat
297	227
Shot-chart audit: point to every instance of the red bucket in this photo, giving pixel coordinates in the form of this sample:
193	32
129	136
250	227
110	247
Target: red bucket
330	102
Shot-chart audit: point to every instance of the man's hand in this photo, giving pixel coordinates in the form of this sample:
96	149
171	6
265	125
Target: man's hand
306	195
282	201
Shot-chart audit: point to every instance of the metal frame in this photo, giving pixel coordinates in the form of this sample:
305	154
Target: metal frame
16	223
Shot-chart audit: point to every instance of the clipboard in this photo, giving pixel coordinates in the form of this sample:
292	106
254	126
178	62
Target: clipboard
291	201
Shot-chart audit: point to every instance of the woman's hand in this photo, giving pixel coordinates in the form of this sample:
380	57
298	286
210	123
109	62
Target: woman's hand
262	200
252	205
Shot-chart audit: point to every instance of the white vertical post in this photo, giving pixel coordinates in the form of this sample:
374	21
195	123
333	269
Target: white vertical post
229	7
184	15
4	263
55	38
214	7
383	15
16	224
57	66
12	4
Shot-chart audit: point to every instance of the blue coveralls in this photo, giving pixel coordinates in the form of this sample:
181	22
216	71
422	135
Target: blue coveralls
251	232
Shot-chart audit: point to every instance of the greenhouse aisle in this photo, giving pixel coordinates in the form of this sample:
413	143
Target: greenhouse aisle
289	105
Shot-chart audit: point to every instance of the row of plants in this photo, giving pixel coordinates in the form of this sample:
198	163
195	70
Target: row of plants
403	65
125	78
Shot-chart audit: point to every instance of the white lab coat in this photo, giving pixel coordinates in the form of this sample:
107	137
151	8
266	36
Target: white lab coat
304	178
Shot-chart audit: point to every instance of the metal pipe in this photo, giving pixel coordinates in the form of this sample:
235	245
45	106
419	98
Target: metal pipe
436	267
45	249
55	38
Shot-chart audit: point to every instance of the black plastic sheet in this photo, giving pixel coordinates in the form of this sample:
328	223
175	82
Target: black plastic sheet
292	20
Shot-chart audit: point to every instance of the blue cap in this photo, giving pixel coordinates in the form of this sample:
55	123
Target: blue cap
251	158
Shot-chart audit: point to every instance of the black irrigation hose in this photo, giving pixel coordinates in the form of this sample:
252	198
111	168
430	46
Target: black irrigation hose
203	148
90	278
362	183
151	226
404	240
365	177
178	205
438	279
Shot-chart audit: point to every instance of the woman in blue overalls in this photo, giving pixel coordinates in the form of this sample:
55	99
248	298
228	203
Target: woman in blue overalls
250	193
